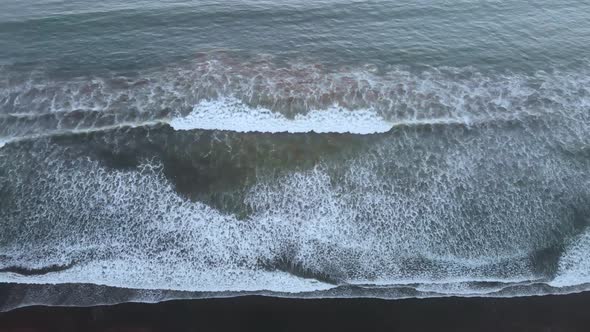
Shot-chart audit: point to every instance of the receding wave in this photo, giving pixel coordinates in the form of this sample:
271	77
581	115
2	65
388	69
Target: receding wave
28	271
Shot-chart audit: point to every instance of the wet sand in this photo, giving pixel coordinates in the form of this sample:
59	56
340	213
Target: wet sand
254	313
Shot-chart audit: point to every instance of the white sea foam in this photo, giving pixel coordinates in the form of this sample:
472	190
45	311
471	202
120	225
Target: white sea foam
377	218
139	233
167	242
574	265
399	213
143	274
231	114
73	131
217	87
222	251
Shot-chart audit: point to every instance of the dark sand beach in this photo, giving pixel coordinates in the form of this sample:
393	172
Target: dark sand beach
253	313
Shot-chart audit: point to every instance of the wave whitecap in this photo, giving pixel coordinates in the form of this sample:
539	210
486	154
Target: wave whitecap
221	91
231	114
225	114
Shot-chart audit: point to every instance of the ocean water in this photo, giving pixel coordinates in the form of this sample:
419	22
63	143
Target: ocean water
154	150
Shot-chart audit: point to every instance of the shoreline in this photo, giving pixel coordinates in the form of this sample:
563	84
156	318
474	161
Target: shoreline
258	313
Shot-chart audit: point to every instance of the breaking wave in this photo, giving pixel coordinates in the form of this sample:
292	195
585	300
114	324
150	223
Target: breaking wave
235	116
218	91
187	183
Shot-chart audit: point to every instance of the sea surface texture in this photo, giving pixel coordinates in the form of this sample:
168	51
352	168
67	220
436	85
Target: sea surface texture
154	150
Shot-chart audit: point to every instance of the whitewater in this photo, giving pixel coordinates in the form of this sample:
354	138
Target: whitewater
329	149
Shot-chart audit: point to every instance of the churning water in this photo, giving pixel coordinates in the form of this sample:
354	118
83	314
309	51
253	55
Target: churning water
152	150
